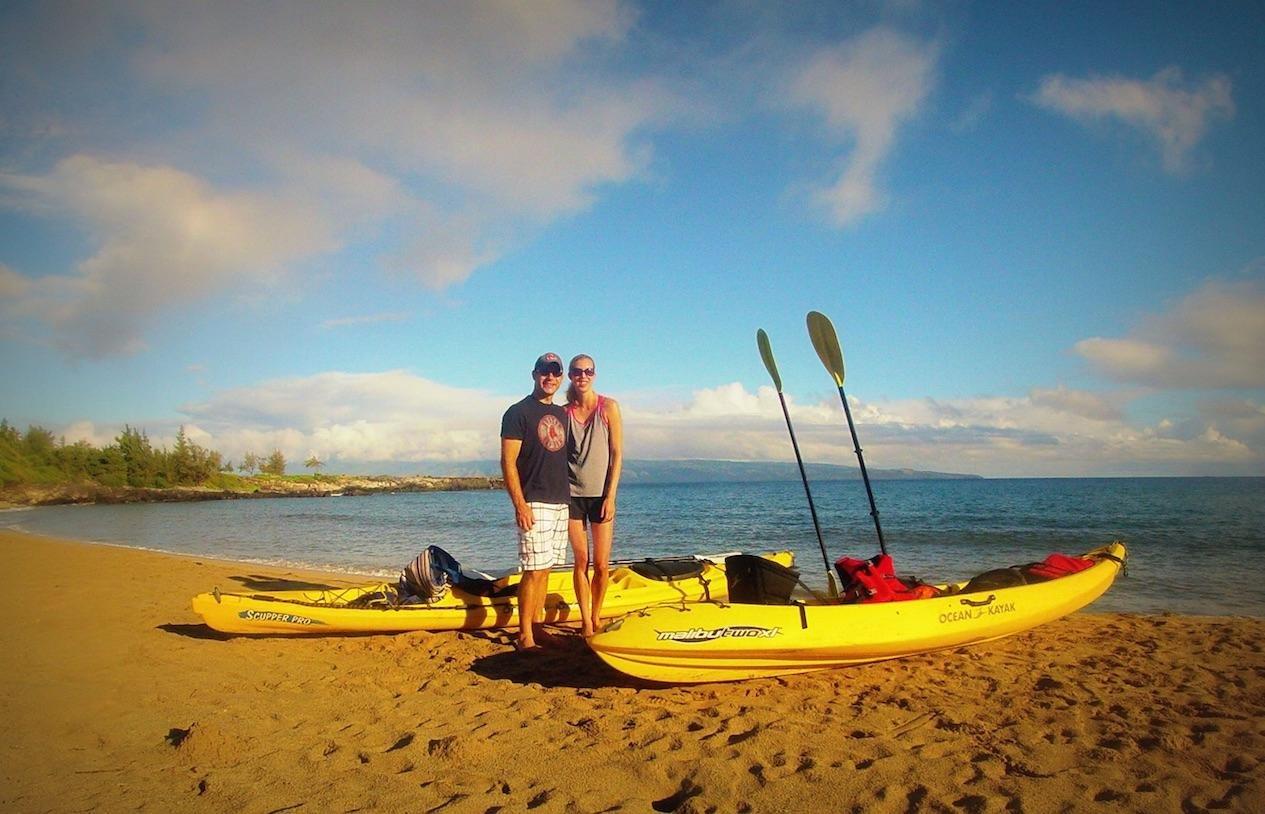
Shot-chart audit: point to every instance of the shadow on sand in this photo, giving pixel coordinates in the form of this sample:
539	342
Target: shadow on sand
194	632
255	582
566	661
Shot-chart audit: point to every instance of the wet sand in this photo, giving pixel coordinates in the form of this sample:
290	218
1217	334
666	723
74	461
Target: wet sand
115	697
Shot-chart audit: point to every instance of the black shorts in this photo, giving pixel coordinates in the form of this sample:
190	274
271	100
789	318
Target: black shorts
588	509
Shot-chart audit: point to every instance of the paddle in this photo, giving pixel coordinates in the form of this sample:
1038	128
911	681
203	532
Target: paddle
826	343
766	353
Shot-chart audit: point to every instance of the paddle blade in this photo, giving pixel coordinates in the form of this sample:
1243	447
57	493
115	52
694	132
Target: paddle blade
766	353
826	343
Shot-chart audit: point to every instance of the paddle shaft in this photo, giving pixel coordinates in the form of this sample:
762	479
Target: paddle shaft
803	474
770	364
865	476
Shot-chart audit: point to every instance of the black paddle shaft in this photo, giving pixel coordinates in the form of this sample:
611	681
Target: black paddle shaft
865	476
803	474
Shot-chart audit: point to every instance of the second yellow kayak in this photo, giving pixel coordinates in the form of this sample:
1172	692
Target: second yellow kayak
370	608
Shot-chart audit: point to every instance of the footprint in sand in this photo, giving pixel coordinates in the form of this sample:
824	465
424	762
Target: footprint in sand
675	800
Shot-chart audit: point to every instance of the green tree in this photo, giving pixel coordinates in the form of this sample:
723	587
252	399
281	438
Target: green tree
110	467
275	464
38	457
77	460
13	467
141	461
39	445
314	462
250	462
190	463
183	462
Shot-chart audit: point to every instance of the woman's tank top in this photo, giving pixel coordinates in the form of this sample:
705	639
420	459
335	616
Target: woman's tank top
589	451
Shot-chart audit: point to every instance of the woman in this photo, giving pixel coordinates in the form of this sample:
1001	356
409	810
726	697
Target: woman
595	455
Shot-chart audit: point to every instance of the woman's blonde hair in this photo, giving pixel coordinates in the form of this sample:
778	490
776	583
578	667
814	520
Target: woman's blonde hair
572	396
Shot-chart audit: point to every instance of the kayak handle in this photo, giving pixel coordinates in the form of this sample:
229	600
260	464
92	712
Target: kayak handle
982	603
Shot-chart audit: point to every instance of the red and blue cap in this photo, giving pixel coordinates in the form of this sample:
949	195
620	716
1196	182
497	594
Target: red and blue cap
546	360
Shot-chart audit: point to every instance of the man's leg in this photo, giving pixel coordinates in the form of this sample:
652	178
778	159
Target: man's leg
531	600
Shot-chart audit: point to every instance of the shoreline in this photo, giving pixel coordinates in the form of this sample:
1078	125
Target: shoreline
118	697
260	487
330	573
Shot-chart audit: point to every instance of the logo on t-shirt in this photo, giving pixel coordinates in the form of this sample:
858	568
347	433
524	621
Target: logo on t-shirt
553	436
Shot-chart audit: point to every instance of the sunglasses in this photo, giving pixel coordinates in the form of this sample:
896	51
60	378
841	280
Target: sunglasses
577	372
549	370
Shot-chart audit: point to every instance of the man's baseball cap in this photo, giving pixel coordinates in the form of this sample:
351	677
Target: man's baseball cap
548	360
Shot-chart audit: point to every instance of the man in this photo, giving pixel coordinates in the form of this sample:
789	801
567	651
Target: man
534	465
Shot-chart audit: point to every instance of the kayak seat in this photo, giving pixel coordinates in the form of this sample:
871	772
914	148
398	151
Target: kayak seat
667	568
757	581
997	578
489	588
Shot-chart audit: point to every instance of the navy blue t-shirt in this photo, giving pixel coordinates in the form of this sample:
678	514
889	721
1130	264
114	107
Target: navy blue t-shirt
542	460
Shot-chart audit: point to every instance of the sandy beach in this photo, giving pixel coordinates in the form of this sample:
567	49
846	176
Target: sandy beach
116	698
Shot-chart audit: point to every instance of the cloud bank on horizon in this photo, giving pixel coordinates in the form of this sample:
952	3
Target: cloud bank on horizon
387	193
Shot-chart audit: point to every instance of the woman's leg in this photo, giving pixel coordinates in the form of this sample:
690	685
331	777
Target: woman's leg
603	536
580	575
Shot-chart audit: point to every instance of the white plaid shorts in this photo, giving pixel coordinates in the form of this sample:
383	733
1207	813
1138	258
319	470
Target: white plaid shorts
546	545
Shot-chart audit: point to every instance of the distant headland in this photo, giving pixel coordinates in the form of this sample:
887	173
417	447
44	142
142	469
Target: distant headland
39	469
265	486
256	486
692	470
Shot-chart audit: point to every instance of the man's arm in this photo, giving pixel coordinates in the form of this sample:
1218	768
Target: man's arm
509	471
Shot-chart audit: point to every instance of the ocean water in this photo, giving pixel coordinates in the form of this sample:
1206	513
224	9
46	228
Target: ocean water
1197	545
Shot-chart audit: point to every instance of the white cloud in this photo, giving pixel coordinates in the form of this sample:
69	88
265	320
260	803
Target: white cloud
865	89
1057	431
493	102
448	133
975	111
1212	338
1239	418
1175	114
166	238
447	250
389	416
89	432
367	319
1077	402
396	417
12	285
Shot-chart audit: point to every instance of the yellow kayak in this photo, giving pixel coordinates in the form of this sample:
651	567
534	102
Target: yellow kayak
716	641
375	608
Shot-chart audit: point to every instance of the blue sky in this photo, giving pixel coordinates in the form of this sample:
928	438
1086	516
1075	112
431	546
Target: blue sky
347	230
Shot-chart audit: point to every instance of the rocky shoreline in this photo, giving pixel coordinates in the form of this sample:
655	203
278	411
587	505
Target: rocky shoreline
253	487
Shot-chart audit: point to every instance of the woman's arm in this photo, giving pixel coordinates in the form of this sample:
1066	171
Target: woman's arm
615	423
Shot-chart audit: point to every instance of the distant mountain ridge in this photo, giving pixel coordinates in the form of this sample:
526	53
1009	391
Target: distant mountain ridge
708	471
684	471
